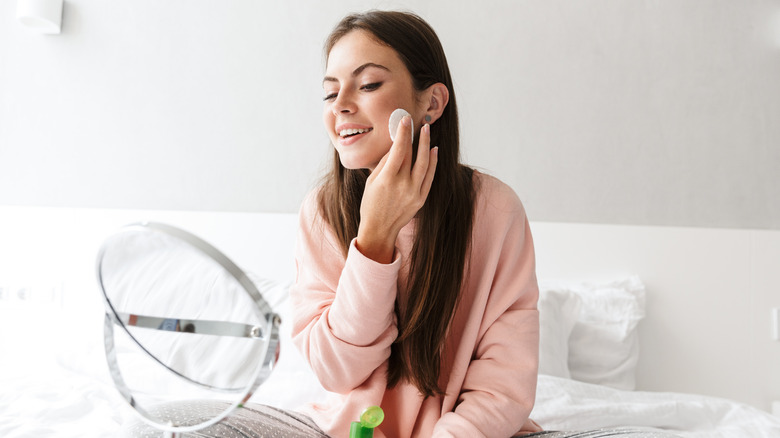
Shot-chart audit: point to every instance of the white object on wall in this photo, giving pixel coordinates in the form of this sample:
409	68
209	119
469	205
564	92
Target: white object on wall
44	16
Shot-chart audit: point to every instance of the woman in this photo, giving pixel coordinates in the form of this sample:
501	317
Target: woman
416	286
415	289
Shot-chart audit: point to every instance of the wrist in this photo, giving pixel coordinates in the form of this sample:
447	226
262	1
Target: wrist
378	247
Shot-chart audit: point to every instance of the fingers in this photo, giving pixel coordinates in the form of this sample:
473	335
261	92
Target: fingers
425	187
400	155
423	152
425	166
378	169
397	163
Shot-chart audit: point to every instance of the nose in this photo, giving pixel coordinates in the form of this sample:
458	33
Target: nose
344	104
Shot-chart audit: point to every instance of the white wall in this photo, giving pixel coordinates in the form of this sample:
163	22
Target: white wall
607	111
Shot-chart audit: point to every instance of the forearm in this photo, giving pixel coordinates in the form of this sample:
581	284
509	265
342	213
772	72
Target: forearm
346	333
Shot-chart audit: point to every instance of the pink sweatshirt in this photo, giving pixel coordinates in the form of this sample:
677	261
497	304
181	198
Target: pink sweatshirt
344	324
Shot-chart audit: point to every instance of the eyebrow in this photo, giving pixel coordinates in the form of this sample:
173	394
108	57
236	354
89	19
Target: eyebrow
357	71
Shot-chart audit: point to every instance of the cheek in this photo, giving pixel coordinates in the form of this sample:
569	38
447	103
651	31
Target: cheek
328	121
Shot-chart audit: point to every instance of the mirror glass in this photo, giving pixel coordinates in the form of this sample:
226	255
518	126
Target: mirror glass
182	323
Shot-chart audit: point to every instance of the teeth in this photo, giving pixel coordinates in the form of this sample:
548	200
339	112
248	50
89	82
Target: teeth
348	132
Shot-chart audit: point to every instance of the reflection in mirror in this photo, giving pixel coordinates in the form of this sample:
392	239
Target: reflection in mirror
182	323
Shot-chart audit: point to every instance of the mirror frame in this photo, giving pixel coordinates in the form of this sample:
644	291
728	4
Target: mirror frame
112	318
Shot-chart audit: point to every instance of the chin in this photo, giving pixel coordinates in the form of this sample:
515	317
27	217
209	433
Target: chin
355	159
353	164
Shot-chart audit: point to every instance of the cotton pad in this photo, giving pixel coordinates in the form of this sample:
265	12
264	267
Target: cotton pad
395	119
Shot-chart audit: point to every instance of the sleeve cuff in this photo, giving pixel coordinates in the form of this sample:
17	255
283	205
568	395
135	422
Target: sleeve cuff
364	306
370	263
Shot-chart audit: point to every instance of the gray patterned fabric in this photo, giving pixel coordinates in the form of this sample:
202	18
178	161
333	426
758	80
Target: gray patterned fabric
251	421
260	421
599	433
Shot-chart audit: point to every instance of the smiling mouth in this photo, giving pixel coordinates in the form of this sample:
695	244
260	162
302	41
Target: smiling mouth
346	133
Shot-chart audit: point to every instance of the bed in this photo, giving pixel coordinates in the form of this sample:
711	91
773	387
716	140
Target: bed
603	309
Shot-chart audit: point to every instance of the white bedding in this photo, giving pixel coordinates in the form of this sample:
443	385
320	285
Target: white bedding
564	404
73	405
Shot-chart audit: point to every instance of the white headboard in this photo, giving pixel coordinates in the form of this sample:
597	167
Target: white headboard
709	291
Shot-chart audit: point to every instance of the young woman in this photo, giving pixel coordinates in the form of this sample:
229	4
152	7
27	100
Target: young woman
416	287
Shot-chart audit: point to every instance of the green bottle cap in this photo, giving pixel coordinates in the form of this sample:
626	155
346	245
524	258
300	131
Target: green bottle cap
372	417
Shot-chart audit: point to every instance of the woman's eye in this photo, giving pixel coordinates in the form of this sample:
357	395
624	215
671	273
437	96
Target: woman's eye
371	87
368	87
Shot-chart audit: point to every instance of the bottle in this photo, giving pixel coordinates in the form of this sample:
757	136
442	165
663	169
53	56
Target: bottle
369	419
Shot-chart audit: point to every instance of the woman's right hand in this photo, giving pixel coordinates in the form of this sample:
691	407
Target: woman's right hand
395	191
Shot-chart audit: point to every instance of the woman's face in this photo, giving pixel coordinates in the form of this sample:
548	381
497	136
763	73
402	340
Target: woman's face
364	82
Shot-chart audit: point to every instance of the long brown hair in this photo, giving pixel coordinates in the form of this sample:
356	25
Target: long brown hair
443	232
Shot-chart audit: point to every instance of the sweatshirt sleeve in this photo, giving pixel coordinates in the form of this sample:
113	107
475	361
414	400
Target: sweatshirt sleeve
500	383
343	307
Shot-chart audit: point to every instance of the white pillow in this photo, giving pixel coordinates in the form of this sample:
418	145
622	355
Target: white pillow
604	343
558	312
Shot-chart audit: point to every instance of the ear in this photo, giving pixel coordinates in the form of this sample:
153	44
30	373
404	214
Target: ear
435	100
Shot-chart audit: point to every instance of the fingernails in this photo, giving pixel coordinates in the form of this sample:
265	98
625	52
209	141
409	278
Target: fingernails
436	151
426	128
407	120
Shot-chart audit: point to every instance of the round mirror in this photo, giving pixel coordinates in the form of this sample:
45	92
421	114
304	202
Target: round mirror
182	323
